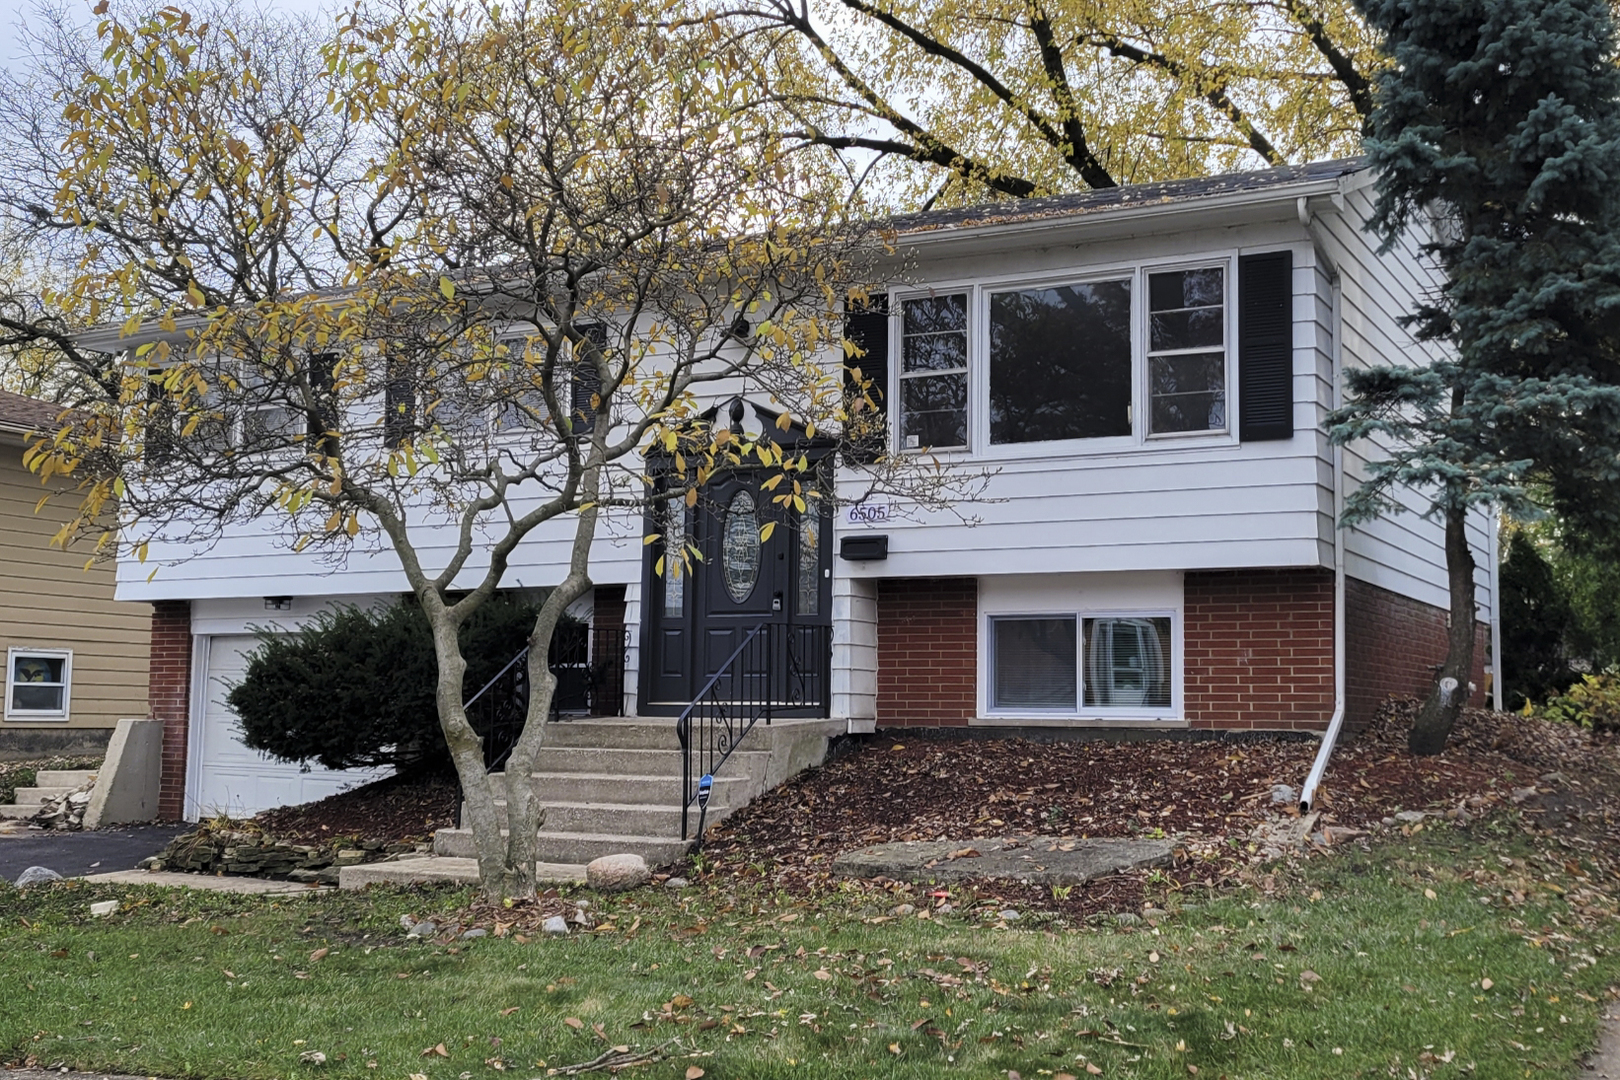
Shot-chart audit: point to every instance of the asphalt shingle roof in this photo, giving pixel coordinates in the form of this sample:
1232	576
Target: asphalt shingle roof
1058	206
26	414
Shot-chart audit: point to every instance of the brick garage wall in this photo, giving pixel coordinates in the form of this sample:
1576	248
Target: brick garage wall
1259	649
169	698
608	607
927	652
1392	643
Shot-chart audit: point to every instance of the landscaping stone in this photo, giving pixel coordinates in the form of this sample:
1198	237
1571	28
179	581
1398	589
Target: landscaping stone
1283	795
103	907
423	929
676	883
1008	915
1410	817
617	873
555	925
1043	860
37	875
474	934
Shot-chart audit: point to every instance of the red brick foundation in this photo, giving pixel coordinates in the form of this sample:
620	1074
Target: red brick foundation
608	607
1392	647
169	697
1259	649
927	652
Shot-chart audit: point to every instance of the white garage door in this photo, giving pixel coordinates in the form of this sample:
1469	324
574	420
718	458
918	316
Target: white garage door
229	778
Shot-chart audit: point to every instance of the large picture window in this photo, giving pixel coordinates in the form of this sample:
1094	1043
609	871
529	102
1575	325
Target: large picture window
1060	362
1187	351
1071	664
934	373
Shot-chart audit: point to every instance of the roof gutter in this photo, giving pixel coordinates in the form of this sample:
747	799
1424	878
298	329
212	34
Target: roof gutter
1330	738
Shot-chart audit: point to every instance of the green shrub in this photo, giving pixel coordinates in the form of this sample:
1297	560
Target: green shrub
355	688
1592	702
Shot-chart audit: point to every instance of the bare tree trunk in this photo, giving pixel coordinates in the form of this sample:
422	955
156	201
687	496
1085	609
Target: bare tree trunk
467	752
524	812
1439	714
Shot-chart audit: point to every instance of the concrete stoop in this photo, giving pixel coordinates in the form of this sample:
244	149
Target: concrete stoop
613	785
48	784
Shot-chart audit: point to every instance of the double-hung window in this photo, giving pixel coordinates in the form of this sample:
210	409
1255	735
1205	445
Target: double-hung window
1072	664
1187	351
934	373
37	683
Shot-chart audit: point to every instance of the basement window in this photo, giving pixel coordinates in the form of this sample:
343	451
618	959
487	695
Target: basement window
37	683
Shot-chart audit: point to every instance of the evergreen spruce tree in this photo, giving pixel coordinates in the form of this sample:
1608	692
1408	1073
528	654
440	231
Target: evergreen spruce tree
1501	119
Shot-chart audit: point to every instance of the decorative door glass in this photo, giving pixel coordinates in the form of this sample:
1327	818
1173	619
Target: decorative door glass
740	547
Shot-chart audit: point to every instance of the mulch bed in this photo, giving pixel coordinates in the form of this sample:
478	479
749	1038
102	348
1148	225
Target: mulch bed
1214	792
395	810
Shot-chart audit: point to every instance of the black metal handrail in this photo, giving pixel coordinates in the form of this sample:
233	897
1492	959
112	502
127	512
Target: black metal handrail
775	667
589	666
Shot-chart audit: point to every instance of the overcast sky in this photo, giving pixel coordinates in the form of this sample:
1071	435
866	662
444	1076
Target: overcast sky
12	12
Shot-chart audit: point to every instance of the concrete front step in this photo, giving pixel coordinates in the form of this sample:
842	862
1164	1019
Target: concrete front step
621	733
627	789
624	819
633	761
580	848
36	795
68	778
18	810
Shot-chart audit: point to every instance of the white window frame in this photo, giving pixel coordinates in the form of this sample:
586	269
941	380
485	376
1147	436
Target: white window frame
1171	714
972	296
1228	268
1139	440
40	715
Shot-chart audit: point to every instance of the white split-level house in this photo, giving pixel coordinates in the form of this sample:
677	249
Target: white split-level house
1142	372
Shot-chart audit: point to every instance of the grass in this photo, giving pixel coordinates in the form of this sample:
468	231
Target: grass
1428	956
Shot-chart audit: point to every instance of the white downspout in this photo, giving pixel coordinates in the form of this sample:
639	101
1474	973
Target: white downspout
1330	738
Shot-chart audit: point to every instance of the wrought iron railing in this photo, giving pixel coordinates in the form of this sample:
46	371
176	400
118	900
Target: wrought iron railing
775	670
589	666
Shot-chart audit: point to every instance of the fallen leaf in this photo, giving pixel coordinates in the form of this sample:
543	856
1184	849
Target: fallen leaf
894	1048
1092	1069
509	1012
693	1072
1153	957
436	1051
824	975
228	974
574	1022
318	954
1064	1076
1485	984
1428	894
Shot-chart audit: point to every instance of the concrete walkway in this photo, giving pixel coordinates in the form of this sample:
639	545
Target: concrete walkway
73	854
437	868
207	882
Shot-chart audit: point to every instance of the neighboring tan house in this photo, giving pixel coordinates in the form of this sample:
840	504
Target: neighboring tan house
1144	370
76	659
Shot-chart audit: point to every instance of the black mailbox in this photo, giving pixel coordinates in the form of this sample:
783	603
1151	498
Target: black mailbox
867	548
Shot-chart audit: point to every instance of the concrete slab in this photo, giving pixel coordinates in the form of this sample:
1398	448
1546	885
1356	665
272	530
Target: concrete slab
73	853
437	868
246	886
1040	860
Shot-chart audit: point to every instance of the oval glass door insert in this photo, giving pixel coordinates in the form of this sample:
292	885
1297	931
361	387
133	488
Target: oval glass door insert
740	550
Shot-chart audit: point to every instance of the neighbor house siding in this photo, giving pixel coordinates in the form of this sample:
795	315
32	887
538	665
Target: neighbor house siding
49	600
1259	649
1393	647
927	631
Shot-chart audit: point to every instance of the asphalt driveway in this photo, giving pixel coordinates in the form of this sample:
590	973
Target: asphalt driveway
73	853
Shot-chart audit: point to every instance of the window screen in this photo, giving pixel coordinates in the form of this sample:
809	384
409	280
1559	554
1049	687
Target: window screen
1128	663
1187	350
933	373
38	684
1033	663
1060	362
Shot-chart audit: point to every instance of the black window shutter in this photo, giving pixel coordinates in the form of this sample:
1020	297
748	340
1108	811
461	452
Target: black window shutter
1266	346
866	325
587	380
322	421
399	402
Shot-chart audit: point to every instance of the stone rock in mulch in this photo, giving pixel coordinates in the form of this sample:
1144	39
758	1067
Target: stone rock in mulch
423	929
676	883
617	873
556	924
1042	860
1284	795
474	934
65	812
37	875
1410	817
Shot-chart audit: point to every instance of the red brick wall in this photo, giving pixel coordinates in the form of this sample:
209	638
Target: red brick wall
1392	643
169	697
927	652
1259	648
608	607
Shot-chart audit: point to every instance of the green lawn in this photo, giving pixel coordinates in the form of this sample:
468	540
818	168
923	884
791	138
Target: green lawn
1431	954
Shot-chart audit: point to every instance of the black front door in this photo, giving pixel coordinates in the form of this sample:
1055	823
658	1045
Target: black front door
765	600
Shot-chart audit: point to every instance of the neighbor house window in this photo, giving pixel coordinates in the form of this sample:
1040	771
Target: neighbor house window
37	683
1187	351
1060	362
934	373
1127	663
